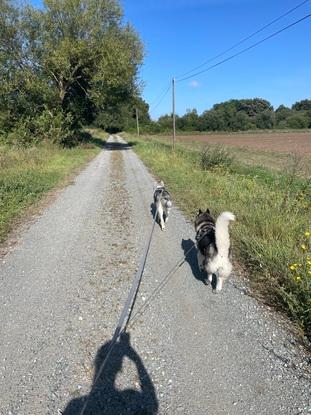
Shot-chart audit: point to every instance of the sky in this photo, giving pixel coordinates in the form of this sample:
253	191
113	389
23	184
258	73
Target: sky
179	35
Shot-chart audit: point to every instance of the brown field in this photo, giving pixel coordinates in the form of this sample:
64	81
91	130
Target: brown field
285	142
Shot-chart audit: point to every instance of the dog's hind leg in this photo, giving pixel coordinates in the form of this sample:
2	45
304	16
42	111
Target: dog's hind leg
167	212
160	215
200	261
219	283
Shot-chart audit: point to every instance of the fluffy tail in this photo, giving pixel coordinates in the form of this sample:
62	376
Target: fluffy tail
222	233
168	204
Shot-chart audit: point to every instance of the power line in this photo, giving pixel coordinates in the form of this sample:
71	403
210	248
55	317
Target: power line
244	39
163	95
158	96
246	49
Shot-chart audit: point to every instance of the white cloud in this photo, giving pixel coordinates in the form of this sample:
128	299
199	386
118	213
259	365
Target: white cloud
194	84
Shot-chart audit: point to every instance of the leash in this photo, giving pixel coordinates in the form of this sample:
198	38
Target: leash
162	284
123	322
165	280
126	311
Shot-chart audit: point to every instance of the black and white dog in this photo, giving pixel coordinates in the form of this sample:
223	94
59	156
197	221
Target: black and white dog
163	203
213	243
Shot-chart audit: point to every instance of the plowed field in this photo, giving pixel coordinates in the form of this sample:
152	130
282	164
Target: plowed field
287	142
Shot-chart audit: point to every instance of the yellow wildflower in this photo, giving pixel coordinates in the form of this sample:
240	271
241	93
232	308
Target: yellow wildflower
298	278
309	262
303	246
307	233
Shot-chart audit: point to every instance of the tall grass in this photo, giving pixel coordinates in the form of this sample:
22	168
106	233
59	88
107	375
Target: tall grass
27	173
271	237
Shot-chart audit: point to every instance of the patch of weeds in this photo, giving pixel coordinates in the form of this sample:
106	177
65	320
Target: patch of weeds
215	156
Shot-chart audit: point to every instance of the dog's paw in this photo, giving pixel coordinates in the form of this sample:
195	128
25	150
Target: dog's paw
210	277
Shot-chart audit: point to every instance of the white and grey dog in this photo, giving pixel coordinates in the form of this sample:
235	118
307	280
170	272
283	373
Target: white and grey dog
213	243
163	203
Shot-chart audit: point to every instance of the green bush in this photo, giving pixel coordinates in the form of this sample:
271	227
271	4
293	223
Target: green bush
53	126
215	156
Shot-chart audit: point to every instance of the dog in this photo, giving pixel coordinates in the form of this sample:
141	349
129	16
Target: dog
213	243
163	203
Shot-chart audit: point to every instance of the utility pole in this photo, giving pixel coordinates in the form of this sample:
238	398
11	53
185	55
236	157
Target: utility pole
137	122
174	126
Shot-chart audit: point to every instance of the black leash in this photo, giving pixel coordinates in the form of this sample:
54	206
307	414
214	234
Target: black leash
127	310
161	285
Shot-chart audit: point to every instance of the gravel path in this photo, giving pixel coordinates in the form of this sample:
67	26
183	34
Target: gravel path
62	289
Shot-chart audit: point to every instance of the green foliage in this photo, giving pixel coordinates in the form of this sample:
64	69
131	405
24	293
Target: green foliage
303	105
73	59
215	156
297	121
237	115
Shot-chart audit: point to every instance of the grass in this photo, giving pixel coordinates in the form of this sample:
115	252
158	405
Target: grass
26	174
265	158
271	235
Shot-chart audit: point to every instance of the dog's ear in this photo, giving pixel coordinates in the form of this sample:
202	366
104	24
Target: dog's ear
162	183
207	211
200	211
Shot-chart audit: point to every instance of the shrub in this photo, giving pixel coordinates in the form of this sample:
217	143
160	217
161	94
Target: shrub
297	121
53	126
215	156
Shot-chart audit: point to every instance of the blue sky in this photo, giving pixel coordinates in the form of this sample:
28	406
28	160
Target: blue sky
181	34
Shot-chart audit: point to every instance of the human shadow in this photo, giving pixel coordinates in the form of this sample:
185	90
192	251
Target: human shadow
105	398
192	260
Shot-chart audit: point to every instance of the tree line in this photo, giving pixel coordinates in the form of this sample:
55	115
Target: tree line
69	64
236	115
74	63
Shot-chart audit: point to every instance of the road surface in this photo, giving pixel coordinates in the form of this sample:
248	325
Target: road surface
62	288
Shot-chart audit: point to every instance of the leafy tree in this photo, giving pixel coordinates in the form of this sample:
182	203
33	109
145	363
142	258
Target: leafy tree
303	105
297	121
74	57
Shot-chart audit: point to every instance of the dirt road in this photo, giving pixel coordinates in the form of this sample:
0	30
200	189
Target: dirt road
192	352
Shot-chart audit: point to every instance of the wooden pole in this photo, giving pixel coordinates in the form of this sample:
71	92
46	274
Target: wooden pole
137	122
174	117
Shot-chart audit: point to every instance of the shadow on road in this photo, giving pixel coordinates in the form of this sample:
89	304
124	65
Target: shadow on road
98	142
105	398
112	146
191	258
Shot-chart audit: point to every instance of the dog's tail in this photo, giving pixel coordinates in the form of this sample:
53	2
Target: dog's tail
168	204
222	233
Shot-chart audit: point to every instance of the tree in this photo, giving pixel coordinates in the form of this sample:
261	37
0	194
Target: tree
303	105
74	57
297	120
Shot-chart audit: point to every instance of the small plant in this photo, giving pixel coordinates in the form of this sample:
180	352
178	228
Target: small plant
300	273
215	156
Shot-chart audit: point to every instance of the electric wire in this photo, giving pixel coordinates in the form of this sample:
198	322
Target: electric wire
158	96
162	96
246	49
244	39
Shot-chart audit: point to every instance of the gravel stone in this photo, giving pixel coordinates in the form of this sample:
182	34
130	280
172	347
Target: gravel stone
188	350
